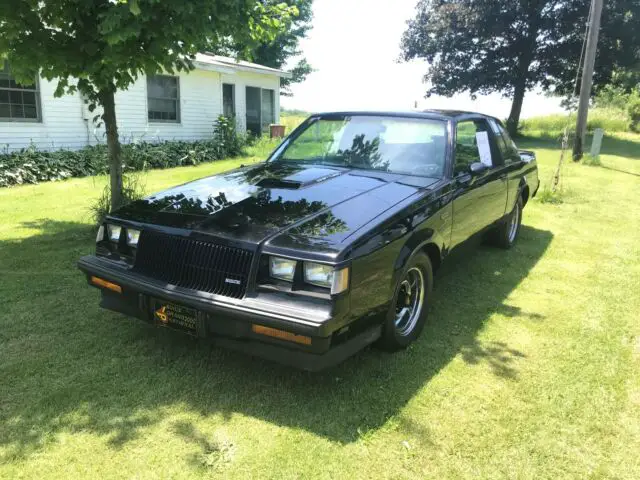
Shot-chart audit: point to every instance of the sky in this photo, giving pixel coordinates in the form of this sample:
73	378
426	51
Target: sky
354	46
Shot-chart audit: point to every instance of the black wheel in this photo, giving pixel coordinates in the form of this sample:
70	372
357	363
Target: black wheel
407	313
506	234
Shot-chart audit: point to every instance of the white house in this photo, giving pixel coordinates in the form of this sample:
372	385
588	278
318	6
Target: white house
163	107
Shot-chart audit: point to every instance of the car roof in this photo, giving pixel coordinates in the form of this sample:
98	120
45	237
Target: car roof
434	114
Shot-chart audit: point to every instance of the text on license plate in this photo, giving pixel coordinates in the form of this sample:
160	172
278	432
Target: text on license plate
172	315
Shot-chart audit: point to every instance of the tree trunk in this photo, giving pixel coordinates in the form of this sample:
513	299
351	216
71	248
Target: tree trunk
113	143
516	107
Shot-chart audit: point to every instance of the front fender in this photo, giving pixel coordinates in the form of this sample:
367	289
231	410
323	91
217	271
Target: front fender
435	231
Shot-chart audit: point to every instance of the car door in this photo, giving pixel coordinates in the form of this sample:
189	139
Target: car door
511	160
479	200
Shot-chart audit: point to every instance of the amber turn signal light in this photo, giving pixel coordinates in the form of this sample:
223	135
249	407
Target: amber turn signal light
280	334
105	284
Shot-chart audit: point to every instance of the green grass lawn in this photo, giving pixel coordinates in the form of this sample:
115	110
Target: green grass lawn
529	367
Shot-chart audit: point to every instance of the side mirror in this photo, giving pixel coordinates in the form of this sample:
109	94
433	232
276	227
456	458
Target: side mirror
477	168
527	156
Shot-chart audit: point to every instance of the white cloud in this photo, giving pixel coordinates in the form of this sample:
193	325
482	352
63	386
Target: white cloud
354	45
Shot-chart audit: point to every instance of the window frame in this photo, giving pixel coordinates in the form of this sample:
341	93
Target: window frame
177	100
233	98
510	153
273	106
455	146
37	94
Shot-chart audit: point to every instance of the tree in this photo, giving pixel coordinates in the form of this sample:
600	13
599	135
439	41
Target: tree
275	52
511	46
97	47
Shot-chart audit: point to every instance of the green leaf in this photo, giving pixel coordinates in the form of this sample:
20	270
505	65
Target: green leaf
134	7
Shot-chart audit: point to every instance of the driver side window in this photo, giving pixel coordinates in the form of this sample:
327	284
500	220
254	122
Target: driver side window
473	144
466	147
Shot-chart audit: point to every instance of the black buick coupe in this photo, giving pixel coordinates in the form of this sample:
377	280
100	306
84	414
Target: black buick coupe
326	247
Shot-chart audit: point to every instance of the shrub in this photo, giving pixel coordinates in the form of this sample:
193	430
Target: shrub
546	195
591	161
634	113
227	138
612	96
33	166
133	188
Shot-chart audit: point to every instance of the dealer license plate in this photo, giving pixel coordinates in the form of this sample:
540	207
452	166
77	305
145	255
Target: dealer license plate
176	316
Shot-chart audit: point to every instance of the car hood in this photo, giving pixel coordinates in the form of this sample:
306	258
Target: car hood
255	203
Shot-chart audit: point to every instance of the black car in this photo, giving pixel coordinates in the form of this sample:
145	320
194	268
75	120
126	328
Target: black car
328	246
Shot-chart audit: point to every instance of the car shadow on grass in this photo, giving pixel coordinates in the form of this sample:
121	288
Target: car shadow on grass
71	367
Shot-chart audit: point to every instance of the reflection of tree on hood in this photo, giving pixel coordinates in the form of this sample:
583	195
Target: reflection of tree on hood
191	205
321	226
264	210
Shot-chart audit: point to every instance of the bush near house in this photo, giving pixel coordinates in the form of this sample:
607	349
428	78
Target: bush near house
33	166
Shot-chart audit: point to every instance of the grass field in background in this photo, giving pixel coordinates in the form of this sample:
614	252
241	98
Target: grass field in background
611	120
529	367
291	121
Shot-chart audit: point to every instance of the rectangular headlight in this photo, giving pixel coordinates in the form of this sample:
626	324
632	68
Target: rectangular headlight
318	274
282	268
113	232
132	237
326	276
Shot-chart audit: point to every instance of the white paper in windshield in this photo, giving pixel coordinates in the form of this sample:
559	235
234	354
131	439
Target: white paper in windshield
482	139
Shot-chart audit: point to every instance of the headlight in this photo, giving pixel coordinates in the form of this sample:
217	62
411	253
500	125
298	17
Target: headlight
114	232
325	276
282	268
132	237
318	274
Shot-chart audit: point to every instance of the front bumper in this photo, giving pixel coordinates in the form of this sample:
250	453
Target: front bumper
228	322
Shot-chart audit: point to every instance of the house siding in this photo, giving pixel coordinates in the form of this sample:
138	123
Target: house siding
61	126
241	80
66	122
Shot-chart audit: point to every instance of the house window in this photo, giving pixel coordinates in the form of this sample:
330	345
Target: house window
260	109
163	95
268	108
20	103
228	100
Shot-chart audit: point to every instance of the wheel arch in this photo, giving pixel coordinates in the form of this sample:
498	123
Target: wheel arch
434	253
427	241
525	193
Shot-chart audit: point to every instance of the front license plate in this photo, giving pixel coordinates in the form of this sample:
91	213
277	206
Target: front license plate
176	316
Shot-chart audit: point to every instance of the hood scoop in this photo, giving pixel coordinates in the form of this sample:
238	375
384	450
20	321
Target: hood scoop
300	179
279	183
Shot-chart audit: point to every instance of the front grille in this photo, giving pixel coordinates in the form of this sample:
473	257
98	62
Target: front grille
193	264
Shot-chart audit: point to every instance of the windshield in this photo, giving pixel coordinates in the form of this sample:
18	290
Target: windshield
391	144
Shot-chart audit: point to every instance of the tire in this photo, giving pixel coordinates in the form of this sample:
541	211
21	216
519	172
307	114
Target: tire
399	332
506	234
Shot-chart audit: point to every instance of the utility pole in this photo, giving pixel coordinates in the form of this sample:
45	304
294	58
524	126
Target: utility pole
587	78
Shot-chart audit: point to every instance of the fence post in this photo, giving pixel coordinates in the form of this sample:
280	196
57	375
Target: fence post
596	143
